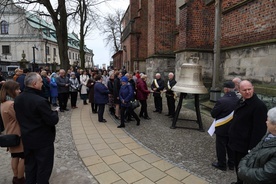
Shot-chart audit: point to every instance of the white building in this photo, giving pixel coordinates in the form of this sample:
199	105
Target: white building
22	31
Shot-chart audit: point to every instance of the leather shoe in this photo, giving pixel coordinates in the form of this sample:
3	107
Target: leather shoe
216	165
231	168
156	111
147	118
121	126
138	122
167	115
61	110
66	109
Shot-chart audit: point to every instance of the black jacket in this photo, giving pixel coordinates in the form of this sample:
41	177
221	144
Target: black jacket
169	91
248	125
161	85
223	107
36	119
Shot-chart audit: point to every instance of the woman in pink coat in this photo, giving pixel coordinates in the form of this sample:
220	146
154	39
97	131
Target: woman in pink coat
142	96
9	91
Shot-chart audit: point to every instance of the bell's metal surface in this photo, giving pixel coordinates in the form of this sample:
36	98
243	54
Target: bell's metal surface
190	80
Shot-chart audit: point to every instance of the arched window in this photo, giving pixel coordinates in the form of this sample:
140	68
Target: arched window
4	27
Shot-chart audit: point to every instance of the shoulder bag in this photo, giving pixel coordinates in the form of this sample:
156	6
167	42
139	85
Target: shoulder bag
9	140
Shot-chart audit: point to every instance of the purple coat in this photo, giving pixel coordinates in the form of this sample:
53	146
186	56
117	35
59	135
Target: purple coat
142	91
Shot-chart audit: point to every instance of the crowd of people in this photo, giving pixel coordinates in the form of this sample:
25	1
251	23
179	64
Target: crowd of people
245	134
245	130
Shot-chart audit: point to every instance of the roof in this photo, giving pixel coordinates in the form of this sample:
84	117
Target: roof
49	31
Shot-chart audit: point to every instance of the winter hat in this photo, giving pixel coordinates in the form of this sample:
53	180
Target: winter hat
124	79
229	84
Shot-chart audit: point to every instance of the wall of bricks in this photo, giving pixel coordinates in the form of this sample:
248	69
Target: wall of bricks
162	27
250	23
196	28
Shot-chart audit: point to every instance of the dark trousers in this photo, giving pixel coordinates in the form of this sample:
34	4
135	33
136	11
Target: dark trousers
144	108
237	158
171	105
222	149
101	112
130	111
39	164
94	107
158	103
74	96
1	124
63	99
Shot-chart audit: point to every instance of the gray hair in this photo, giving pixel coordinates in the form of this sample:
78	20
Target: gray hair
271	115
31	78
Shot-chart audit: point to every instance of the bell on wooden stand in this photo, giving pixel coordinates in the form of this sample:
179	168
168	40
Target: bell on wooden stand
190	81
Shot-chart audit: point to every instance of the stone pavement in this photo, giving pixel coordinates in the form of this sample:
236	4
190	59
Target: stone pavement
91	152
112	156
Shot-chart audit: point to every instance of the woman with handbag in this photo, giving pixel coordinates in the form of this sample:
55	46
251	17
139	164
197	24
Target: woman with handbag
9	91
142	95
126	95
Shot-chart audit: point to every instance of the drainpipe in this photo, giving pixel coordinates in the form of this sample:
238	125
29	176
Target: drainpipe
215	92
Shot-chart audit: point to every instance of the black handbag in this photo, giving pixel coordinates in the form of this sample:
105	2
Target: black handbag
134	104
9	140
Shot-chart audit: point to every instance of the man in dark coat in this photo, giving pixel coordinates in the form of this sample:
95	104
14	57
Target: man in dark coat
170	95
248	125
37	124
63	84
157	86
100	97
21	79
223	114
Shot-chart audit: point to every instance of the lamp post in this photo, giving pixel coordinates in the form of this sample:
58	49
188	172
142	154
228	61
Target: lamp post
34	65
46	51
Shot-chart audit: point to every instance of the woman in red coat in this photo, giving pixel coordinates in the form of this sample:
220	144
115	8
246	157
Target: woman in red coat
9	91
142	96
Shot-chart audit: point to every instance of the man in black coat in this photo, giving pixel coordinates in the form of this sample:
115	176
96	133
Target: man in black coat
37	124
157	87
63	84
170	95
223	114
248	125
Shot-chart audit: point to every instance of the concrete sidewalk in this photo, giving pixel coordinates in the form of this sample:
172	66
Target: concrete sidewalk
112	156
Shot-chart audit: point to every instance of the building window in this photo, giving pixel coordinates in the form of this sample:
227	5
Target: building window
47	50
69	55
55	51
4	27
5	49
73	55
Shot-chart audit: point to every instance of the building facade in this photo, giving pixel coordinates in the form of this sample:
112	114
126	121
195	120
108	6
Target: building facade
24	32
175	32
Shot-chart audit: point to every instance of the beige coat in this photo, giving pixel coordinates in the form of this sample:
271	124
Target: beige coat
11	124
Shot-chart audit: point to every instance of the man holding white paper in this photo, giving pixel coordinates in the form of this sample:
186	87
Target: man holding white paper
223	113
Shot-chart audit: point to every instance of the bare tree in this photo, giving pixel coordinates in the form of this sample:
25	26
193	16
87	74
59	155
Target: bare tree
112	29
86	17
59	18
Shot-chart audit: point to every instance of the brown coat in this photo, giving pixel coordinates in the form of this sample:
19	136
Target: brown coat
11	124
90	85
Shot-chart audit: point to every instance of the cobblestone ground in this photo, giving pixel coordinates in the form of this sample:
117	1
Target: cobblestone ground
68	168
188	148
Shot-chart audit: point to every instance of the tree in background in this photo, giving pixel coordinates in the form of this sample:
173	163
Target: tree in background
112	29
59	17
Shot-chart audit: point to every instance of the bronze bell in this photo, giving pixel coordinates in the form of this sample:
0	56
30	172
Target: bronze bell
190	80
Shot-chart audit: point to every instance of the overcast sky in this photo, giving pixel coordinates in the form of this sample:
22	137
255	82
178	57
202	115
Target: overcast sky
95	40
